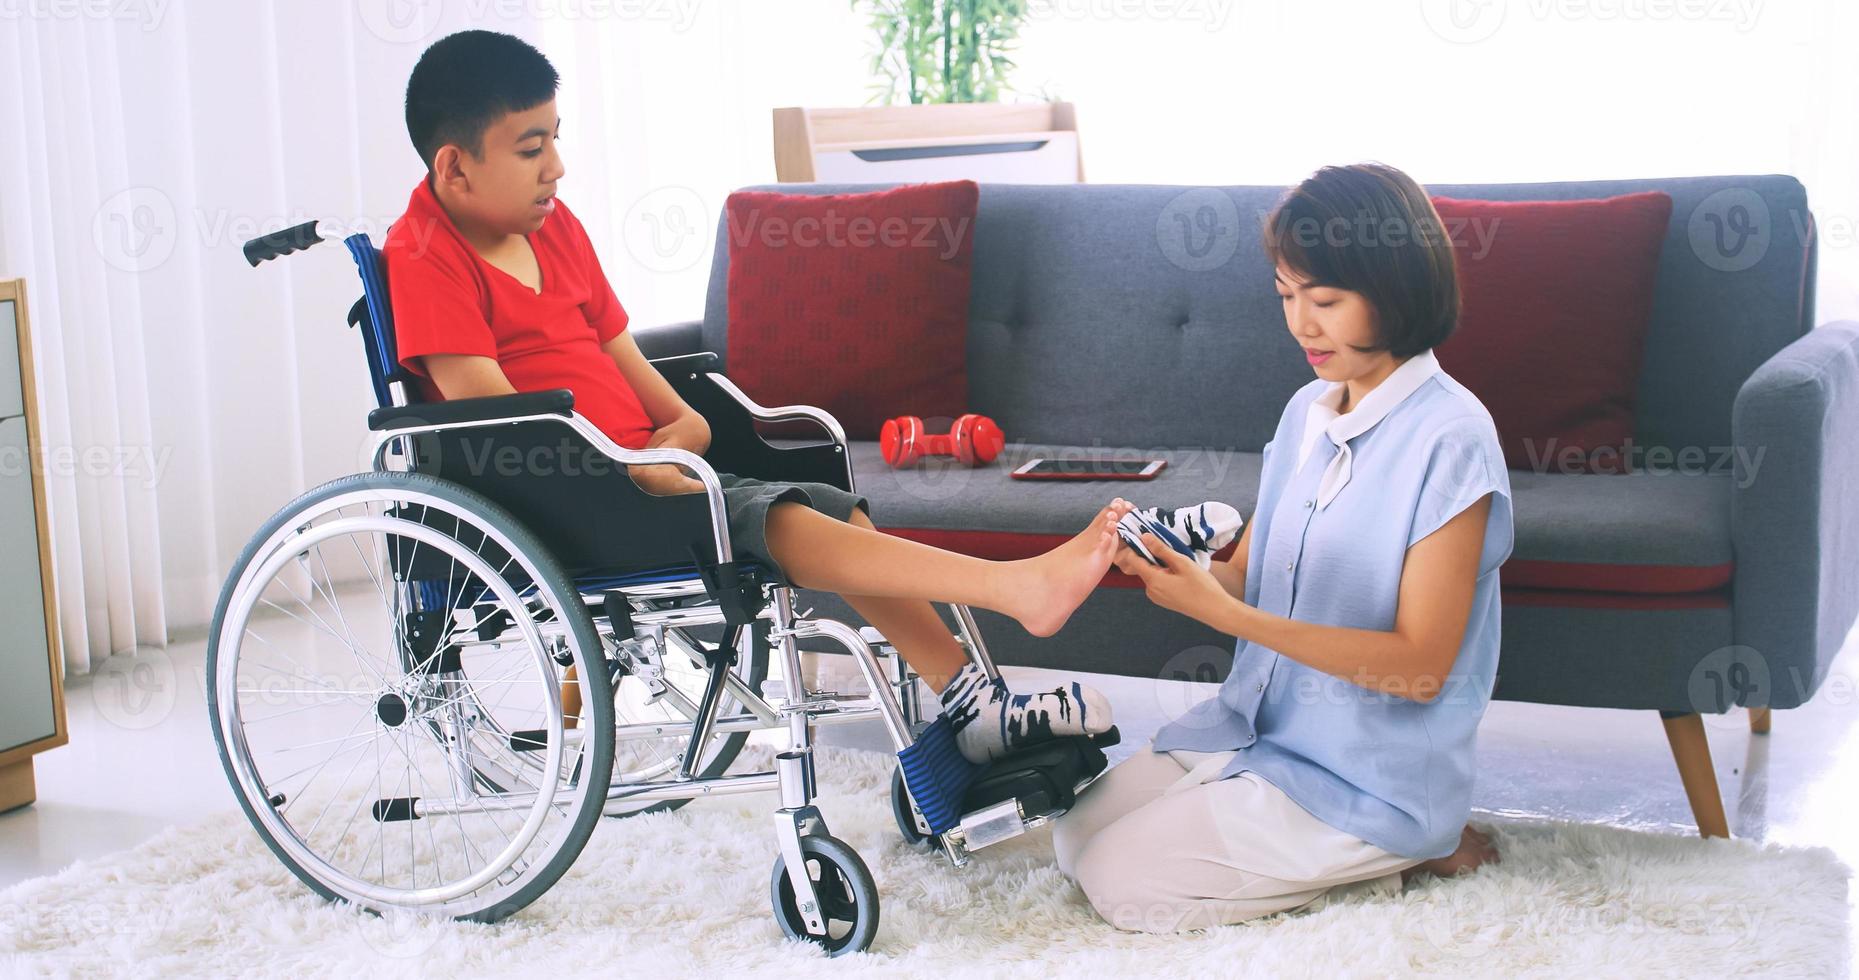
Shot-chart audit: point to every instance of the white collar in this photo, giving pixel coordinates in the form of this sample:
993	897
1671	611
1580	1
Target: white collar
1322	418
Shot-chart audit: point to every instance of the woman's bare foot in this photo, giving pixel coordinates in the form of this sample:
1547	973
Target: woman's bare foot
1046	590
1475	848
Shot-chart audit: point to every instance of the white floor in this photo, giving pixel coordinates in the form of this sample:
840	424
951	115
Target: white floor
141	760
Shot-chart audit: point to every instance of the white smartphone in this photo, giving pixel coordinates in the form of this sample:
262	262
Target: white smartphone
1088	468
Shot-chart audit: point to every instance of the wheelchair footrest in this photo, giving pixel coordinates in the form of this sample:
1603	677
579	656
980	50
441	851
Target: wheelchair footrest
937	774
1044	778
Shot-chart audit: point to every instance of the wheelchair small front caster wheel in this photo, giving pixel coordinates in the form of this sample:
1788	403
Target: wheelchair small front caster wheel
903	811
847	894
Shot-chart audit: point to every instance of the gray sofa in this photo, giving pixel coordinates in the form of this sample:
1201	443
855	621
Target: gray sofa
1729	577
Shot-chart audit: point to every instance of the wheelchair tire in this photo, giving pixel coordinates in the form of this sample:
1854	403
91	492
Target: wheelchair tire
847	892
555	631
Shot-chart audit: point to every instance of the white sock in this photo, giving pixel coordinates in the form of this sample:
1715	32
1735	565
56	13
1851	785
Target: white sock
1196	531
991	721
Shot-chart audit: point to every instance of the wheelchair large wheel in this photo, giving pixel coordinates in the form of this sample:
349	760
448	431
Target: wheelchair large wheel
385	675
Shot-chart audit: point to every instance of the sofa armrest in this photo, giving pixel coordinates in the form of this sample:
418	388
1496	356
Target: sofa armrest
1794	513
669	339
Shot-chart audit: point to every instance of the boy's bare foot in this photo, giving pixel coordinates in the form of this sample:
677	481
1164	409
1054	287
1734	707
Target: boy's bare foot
1475	848
1049	588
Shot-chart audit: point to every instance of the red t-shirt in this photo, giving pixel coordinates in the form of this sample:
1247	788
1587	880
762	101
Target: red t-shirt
448	300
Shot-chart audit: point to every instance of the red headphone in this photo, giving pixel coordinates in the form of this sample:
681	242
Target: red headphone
974	440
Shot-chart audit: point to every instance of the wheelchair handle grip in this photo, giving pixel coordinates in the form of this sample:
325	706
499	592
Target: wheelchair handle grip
280	243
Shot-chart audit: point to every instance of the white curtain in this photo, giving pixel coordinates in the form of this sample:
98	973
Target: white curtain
145	140
196	395
76	230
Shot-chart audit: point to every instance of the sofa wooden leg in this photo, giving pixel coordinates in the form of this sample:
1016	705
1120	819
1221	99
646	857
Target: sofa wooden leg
1692	752
1759	721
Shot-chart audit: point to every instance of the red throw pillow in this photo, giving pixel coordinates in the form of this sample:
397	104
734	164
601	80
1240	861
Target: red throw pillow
855	303
1556	298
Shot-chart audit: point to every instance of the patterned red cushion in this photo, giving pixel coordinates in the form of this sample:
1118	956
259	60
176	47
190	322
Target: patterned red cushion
856	303
1556	298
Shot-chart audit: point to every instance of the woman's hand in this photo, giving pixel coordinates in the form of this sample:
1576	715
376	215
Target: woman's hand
1180	584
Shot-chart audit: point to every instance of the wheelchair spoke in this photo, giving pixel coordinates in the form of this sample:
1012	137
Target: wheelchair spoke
325	741
308	692
329	597
323	628
310	834
281	781
310	608
303	673
288	712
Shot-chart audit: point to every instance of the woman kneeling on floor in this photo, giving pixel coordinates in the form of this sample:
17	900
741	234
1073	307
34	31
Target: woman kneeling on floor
1364	596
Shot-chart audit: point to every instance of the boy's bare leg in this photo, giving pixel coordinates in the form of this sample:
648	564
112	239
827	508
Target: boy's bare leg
820	552
882	563
890	581
913	627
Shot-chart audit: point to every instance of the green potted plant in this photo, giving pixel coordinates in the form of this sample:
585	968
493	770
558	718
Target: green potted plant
935	51
942	66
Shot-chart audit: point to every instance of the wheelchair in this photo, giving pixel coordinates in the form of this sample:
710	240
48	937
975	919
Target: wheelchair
428	682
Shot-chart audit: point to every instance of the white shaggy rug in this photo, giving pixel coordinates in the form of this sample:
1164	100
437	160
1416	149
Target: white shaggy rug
686	894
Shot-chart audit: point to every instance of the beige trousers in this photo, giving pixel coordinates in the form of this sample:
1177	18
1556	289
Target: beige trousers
1161	844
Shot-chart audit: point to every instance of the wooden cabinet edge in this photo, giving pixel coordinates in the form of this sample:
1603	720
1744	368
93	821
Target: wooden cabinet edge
15	290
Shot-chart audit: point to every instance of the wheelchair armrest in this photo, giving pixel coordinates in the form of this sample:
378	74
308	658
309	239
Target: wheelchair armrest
559	401
736	447
782	413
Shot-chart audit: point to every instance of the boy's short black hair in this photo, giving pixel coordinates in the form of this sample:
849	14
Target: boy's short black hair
1370	229
469	80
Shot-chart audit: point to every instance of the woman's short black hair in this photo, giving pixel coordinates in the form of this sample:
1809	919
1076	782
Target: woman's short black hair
469	80
1370	229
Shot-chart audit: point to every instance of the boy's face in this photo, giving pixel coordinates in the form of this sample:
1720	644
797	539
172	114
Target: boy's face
511	188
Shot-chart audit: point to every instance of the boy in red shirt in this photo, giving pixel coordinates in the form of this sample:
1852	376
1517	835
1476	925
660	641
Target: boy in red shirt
496	290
